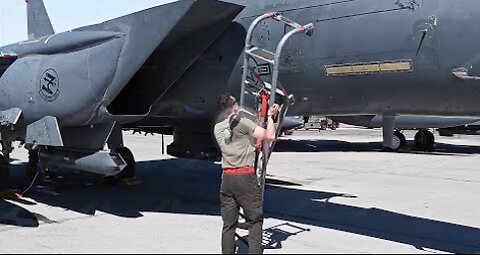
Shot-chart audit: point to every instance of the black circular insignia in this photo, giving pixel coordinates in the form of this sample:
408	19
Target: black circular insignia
50	85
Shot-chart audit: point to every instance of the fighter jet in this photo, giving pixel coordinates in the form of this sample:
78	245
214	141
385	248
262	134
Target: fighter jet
66	95
57	89
366	57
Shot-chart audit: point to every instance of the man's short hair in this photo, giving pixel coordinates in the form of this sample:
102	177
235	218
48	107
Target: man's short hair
225	102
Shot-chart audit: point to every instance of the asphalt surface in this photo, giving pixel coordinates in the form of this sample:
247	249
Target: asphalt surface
328	192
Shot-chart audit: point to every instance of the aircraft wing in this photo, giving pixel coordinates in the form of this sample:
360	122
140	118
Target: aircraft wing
161	42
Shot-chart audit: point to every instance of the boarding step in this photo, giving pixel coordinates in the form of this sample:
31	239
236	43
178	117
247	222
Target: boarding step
279	91
262	54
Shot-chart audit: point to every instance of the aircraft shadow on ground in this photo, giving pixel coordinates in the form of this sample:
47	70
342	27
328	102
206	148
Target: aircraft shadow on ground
192	187
14	215
441	149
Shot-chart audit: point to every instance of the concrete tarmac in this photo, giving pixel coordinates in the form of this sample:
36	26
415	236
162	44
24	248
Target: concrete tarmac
328	192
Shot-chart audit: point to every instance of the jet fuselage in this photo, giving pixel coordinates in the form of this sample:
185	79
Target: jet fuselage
365	57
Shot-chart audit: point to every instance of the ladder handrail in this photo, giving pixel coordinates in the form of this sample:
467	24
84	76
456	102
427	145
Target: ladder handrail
278	54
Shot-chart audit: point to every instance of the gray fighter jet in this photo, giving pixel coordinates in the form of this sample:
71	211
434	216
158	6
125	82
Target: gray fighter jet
65	95
366	57
57	90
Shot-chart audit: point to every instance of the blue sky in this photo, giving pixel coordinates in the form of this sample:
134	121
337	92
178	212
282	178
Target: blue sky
66	14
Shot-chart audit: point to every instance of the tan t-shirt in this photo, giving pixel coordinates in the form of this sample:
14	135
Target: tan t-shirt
240	150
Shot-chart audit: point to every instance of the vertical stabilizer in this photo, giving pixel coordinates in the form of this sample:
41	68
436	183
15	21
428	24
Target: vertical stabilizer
38	21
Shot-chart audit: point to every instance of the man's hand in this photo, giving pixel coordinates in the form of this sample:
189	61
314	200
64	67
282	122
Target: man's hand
273	111
268	134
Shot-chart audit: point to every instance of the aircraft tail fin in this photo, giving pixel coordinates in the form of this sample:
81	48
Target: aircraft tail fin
39	24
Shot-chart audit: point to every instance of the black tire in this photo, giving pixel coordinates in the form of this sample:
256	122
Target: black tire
130	169
424	140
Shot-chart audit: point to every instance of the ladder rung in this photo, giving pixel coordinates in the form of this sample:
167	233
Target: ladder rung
269	87
262	54
248	84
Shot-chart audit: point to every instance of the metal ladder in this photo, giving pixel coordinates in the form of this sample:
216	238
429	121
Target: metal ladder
272	58
254	52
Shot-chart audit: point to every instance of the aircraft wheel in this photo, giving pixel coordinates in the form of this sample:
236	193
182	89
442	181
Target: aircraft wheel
129	171
399	140
424	140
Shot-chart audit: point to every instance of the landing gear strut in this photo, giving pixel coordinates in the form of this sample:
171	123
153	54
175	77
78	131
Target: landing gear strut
391	139
424	140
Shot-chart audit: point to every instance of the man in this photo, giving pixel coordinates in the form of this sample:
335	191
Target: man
240	188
